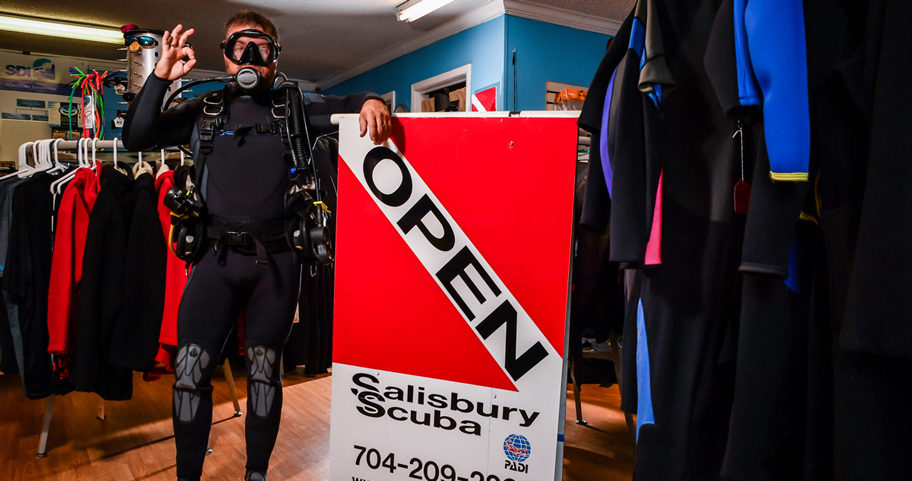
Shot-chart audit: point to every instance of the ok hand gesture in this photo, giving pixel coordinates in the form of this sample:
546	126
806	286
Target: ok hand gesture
175	48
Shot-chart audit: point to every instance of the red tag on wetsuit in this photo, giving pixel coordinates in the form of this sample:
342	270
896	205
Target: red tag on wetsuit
742	197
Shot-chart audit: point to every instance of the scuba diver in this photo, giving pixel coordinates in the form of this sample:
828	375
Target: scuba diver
244	262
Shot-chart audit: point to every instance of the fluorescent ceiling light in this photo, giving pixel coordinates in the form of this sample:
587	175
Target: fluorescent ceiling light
414	9
60	29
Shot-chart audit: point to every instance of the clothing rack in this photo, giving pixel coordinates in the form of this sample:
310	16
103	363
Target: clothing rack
101	144
113	145
73	145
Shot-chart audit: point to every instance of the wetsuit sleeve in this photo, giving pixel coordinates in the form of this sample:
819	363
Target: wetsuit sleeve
773	217
147	127
778	54
727	63
321	107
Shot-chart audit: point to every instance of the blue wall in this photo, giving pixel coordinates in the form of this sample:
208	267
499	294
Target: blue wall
481	46
546	52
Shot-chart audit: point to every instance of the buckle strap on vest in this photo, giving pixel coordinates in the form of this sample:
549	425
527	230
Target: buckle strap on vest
248	236
214	118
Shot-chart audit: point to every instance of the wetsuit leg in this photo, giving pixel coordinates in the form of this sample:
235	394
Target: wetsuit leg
207	312
269	314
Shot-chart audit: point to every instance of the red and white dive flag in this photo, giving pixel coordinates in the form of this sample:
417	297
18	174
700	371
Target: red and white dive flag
485	100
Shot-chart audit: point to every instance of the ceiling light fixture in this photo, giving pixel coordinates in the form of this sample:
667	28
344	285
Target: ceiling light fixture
60	29
414	9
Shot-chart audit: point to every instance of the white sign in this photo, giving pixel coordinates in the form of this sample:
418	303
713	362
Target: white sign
402	411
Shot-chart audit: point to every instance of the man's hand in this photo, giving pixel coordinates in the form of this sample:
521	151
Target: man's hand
375	117
175	48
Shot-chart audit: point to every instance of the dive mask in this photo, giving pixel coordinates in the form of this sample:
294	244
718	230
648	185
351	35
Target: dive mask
143	41
249	52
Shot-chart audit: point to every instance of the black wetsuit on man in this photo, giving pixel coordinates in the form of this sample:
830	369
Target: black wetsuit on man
245	178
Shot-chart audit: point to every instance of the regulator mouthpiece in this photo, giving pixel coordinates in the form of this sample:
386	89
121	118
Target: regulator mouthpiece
248	79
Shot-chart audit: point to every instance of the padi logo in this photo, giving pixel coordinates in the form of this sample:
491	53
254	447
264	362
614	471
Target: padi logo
41	69
448	408
517	449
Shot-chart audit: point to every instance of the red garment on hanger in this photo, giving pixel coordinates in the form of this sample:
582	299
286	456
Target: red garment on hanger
66	265
176	280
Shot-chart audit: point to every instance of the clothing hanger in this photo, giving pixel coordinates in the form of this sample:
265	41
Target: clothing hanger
39	149
24	169
40	166
79	159
35	157
116	166
115	152
89	163
137	167
142	167
58	185
36	160
82	152
44	153
164	166
59	166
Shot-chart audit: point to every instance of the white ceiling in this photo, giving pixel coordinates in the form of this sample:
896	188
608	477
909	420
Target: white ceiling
320	38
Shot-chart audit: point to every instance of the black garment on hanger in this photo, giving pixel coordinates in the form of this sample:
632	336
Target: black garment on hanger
7	350
102	289
597	204
28	278
8	359
134	339
864	150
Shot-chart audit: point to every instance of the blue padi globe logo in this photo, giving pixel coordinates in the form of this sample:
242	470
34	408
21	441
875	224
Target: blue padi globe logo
517	448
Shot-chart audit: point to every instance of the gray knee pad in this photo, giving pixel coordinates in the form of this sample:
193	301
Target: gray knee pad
192	360
264	363
254	476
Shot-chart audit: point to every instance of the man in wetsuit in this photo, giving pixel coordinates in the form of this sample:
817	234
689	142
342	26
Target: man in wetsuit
243	185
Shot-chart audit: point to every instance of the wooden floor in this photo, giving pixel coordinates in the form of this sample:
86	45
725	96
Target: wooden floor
136	442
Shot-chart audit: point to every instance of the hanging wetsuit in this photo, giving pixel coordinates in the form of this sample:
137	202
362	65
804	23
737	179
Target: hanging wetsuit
244	182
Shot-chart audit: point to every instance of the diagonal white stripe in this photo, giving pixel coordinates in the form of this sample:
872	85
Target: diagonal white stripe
477	104
354	149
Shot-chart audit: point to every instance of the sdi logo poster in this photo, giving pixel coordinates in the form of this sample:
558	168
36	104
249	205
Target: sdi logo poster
453	253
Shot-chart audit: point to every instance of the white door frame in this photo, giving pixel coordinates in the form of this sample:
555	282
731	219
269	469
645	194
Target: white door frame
446	79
